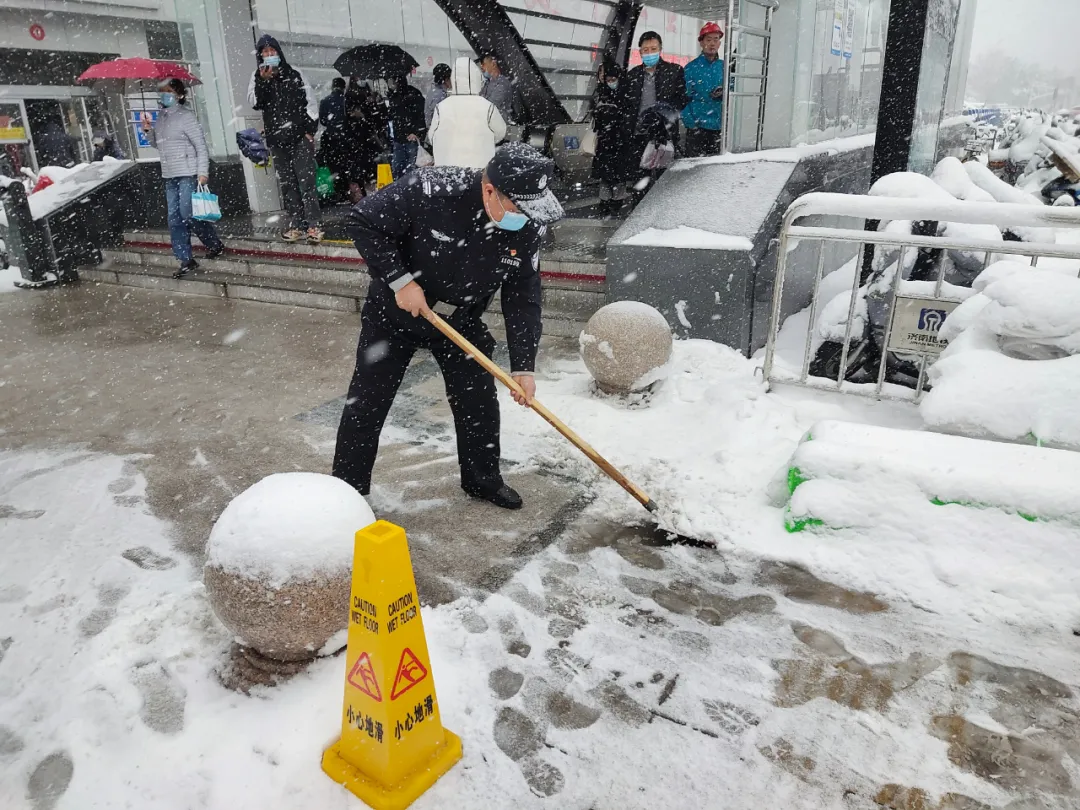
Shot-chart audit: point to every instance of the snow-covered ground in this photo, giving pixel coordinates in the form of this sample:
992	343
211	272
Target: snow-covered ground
929	647
8	278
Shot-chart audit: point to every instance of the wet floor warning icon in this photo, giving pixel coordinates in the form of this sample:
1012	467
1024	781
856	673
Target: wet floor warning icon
362	676
409	673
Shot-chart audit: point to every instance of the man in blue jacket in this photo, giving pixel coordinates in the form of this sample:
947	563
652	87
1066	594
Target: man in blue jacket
704	115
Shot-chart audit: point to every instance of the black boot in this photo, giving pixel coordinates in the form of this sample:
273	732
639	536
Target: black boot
504	497
214	252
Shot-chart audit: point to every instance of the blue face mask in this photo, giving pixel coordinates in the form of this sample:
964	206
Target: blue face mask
271	61
613	85
167	99
650	59
511	220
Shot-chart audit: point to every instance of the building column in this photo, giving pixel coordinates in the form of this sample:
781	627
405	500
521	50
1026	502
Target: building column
899	86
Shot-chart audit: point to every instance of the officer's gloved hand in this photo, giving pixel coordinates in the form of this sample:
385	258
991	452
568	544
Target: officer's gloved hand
411	299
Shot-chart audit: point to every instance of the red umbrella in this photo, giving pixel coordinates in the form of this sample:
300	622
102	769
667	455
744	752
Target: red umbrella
138	67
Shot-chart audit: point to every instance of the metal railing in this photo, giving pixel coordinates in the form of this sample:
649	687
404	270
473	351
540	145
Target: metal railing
914	309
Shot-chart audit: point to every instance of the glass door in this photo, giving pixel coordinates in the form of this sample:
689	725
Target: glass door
75	124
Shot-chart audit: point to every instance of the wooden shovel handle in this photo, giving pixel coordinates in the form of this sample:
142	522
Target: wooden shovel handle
495	371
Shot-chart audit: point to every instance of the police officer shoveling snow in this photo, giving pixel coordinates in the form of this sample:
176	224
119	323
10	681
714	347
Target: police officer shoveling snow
448	238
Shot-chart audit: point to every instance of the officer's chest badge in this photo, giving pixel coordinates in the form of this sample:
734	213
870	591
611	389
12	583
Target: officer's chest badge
511	261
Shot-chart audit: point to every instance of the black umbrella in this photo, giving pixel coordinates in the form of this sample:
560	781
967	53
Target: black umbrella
375	62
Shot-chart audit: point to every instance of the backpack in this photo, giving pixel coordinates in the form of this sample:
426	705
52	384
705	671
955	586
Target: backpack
251	145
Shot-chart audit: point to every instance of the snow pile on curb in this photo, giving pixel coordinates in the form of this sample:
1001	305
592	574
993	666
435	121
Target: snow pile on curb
945	469
980	390
289	525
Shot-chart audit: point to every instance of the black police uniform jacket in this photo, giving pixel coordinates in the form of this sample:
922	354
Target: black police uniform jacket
431	226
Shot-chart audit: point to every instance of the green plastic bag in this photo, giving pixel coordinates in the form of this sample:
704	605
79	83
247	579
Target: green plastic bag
324	181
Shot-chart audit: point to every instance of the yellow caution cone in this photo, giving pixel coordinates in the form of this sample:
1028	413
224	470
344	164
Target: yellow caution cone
393	745
383	176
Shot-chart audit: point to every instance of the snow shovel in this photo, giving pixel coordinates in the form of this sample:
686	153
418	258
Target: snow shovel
609	469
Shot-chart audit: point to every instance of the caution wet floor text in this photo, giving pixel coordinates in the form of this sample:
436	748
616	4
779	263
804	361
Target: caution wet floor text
393	746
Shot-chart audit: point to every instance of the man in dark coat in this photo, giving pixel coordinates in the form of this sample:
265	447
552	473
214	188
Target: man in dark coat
448	238
407	125
53	145
652	82
612	124
290	120
337	148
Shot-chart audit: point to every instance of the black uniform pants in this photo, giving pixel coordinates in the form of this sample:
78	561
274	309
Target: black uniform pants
703	142
382	358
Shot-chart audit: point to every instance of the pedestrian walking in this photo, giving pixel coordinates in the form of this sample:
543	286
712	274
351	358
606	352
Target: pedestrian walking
185	165
498	89
407	127
613	125
703	115
654	82
440	89
466	128
52	143
290	121
105	145
338	148
448	239
369	126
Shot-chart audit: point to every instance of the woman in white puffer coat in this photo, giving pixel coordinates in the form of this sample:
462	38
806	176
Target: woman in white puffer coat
465	128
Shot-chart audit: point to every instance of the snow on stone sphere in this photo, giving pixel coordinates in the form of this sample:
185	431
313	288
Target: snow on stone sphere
626	346
289	526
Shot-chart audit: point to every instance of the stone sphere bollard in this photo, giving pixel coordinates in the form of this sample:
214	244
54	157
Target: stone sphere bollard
279	563
626	346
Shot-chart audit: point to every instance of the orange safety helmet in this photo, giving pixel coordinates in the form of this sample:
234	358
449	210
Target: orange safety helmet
709	28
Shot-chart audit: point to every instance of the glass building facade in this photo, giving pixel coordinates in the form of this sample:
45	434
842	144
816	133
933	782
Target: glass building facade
817	76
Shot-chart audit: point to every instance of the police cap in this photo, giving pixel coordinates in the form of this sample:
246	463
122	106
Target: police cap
523	174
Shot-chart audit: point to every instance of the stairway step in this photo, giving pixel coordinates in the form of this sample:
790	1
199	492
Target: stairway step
559	267
566	309
231	285
310	271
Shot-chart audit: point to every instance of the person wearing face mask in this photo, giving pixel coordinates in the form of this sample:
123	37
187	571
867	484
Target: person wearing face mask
185	165
653	82
611	123
448	238
703	115
290	121
407	126
498	89
105	145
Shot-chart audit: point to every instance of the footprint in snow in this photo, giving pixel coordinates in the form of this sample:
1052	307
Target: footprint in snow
49	781
163	698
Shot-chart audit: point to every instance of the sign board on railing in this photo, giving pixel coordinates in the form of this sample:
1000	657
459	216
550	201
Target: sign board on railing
916	324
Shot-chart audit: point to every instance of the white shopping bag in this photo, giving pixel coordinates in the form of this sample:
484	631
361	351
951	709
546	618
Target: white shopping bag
658	157
204	205
588	143
423	156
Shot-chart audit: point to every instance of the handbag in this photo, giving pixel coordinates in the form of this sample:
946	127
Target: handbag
657	157
204	205
423	157
588	143
324	181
